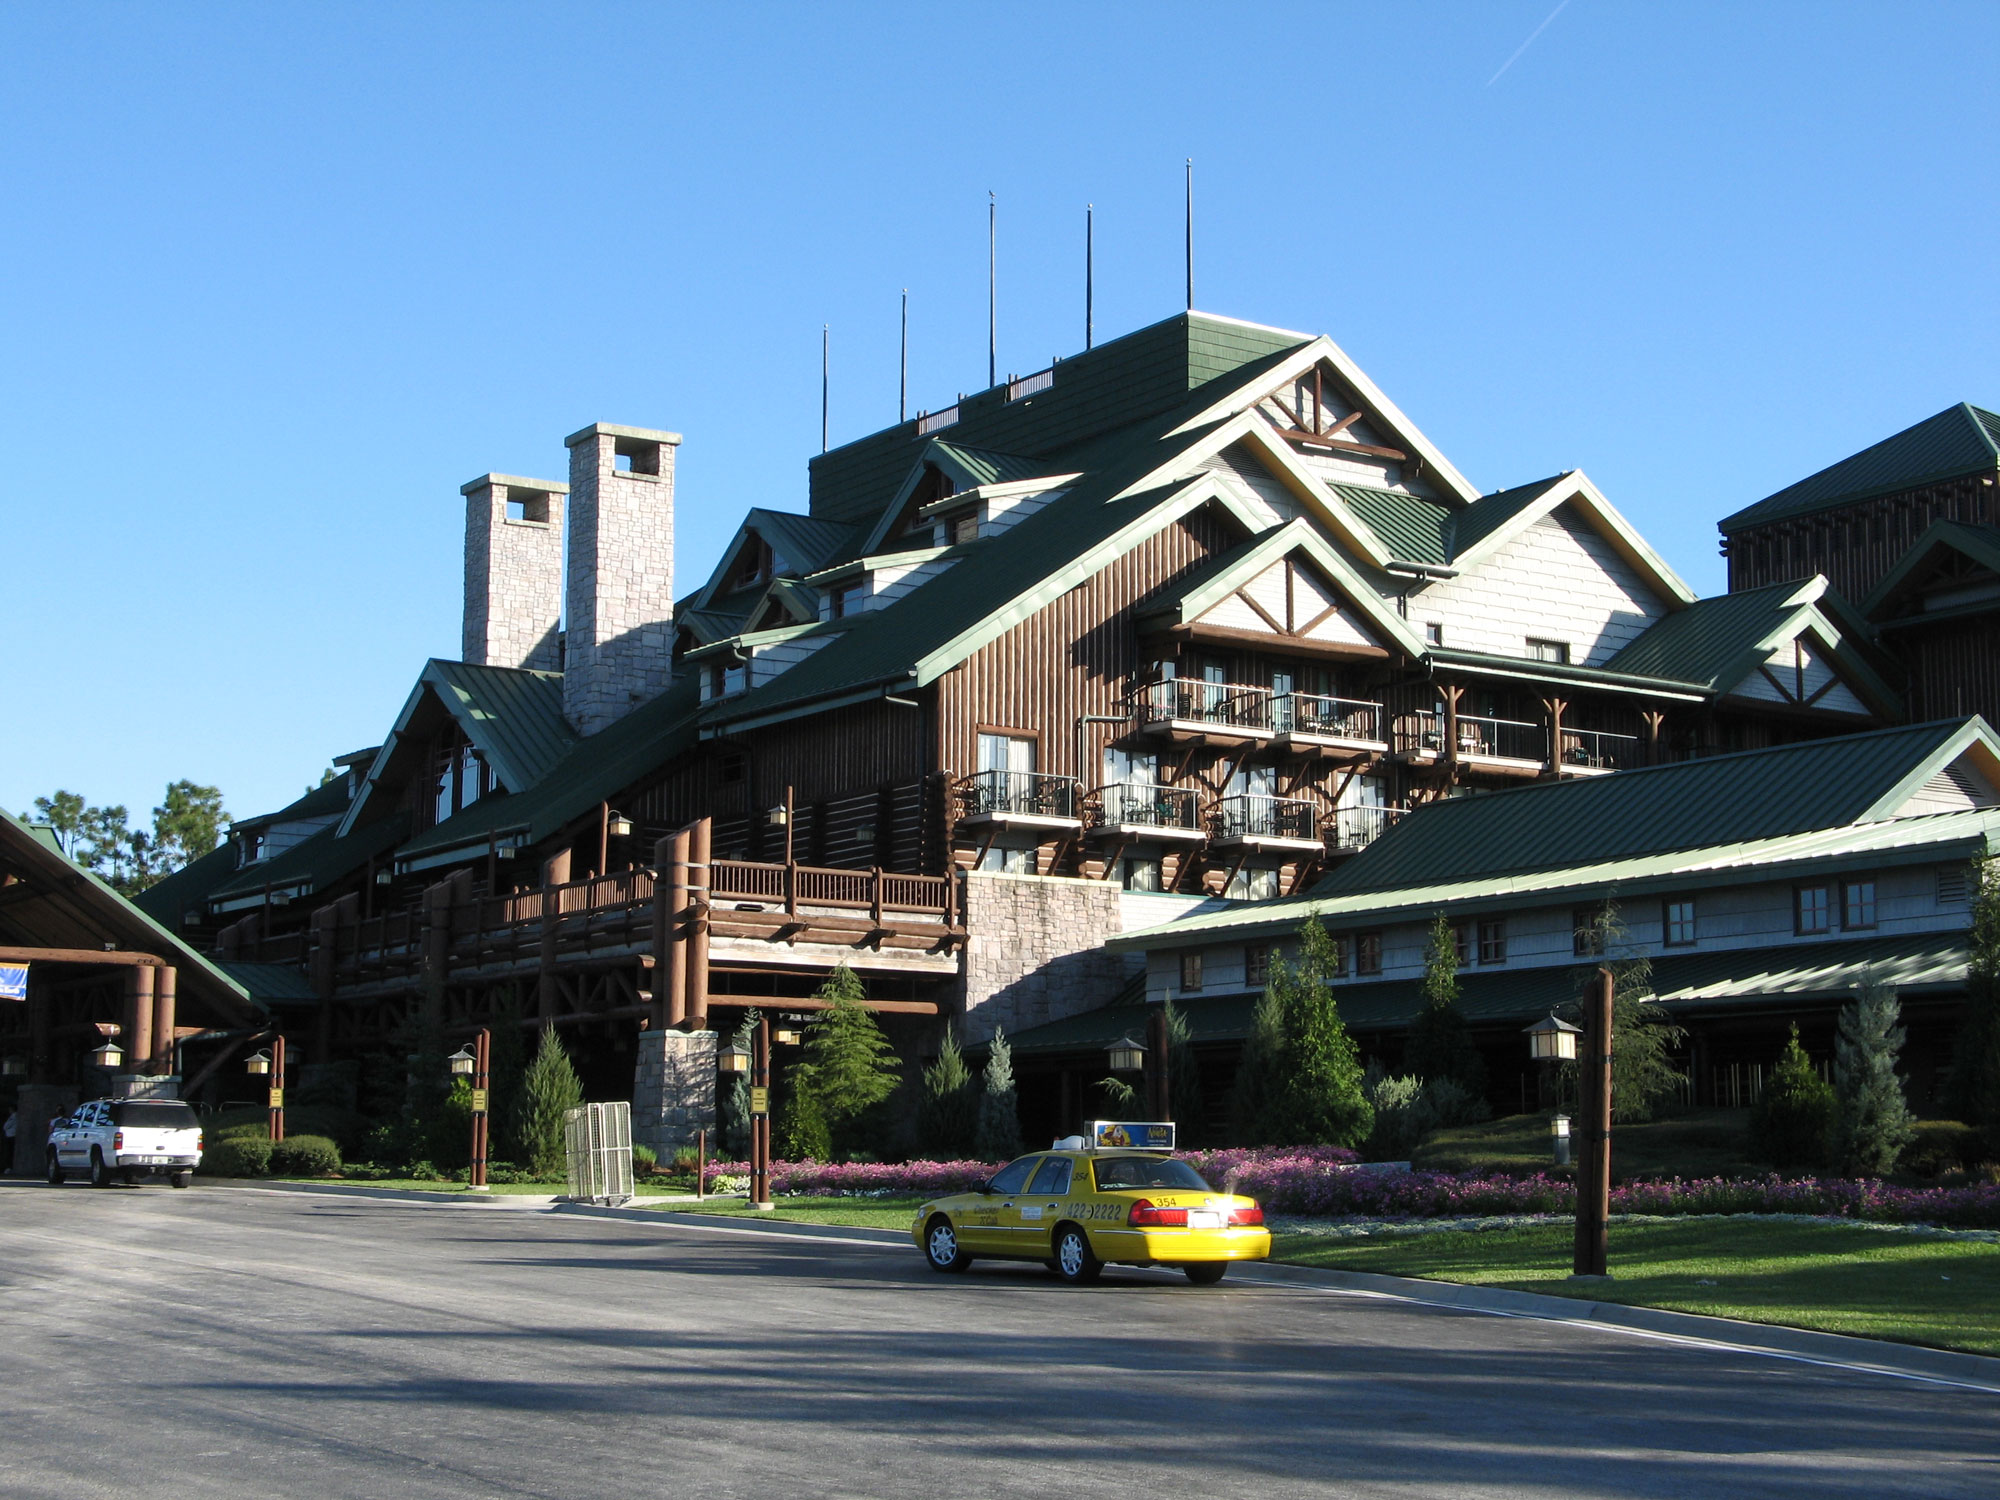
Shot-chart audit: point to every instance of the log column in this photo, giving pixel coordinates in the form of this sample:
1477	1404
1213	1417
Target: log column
164	983
699	888
670	899
138	1027
555	872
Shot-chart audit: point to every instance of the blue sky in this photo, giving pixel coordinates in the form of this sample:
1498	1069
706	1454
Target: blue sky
275	281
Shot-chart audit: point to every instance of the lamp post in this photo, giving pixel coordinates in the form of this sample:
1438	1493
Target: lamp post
272	1064
1557	1040
473	1062
760	1118
1158	1104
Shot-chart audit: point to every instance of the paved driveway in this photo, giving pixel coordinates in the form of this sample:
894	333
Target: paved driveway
240	1344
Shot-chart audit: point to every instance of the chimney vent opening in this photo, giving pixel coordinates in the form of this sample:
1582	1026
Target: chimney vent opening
636	456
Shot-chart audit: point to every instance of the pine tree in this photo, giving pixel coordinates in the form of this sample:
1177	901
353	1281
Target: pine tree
1974	1089
1256	1071
849	1066
733	1108
549	1090
1183	1079
1872	1120
1643	1034
1792	1123
1439	1043
947	1112
1311	1084
998	1137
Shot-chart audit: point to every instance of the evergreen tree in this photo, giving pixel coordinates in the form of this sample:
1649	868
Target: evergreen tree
733	1108
1311	1078
1183	1079
998	1136
1256	1067
947	1114
849	1066
1792	1123
1643	1035
1974	1090
549	1090
799	1130
1439	1044
1872	1120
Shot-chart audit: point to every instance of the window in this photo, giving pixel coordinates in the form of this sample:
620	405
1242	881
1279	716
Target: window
1141	874
1256	965
1368	953
839	602
1053	1178
1460	943
1006	752
1677	923
1857	904
1433	632
734	769
1811	909
961	528
1003	861
1586	932
1252	885
1190	971
1012	1177
753	564
1493	942
1552	651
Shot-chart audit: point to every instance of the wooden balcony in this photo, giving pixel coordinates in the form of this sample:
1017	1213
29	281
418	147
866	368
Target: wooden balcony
1184	710
1592	752
1333	728
1255	824
1499	747
1145	812
1019	801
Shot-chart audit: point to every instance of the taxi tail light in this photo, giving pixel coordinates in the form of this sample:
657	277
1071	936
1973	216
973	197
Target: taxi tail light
118	1140
1145	1216
1250	1215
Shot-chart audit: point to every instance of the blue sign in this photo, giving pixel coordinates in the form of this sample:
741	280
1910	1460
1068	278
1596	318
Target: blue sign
1123	1134
13	981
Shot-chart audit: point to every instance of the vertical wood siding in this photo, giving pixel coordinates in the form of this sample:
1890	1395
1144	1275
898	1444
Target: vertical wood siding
1856	545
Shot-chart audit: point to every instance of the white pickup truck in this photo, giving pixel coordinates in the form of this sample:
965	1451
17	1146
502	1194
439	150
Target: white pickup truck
114	1139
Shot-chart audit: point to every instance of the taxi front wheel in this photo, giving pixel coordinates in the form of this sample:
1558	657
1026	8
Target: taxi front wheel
941	1246
1074	1260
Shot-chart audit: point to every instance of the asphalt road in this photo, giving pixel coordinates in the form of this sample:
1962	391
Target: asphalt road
237	1344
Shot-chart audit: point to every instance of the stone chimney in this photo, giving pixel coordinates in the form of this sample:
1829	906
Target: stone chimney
618	635
513	572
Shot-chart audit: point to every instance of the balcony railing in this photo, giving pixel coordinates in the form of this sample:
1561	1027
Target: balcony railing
1596	749
1016	794
1358	827
1332	718
1188	700
1508	739
1252	816
1147	805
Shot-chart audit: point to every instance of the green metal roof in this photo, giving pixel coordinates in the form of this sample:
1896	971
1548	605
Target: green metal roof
1961	439
978	466
1489	513
271	984
326	800
187	888
1707	642
1411	527
1118	383
514	717
1981	544
317	862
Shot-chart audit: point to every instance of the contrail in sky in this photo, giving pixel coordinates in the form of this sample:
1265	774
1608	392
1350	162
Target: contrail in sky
1527	44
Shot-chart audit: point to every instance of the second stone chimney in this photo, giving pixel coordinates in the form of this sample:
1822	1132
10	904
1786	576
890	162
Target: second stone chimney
618	633
513	571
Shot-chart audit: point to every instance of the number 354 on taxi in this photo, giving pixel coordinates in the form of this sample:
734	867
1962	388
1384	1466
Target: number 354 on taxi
1116	1195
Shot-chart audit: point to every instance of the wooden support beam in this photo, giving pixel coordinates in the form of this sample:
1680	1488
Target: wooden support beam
118	956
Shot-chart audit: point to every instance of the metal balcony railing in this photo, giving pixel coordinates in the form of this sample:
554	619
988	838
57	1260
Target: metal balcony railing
1597	749
1148	805
1189	700
1333	718
1021	793
1250	815
1358	827
1509	739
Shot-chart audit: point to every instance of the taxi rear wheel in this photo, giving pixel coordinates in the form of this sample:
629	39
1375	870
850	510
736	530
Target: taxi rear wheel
1074	1261
941	1246
1206	1272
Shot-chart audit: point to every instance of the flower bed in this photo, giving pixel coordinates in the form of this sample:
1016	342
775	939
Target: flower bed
910	1179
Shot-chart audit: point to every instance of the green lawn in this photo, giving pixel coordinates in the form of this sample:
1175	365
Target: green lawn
860	1213
1835	1278
1705	1143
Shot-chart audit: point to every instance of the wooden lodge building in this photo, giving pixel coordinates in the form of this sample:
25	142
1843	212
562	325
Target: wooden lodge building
1192	617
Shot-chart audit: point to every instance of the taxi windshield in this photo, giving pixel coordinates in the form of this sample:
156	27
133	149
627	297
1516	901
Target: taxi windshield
1147	1172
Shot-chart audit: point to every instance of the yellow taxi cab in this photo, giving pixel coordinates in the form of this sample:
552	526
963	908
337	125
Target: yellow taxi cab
1117	1196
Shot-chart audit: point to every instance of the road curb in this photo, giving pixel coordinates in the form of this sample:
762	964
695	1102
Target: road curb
382	1194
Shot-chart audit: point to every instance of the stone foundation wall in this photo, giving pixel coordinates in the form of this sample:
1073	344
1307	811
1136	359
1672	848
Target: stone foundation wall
1035	950
673	1090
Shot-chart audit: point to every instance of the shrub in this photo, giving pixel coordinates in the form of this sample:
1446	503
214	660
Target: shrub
1792	1124
1452	1104
237	1156
685	1159
1403	1117
998	1137
1439	1045
800	1133
1873	1122
1300	1078
549	1090
947	1114
1940	1146
644	1159
304	1156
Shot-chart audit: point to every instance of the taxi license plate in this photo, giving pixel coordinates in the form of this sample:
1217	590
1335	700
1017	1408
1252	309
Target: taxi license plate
1198	1219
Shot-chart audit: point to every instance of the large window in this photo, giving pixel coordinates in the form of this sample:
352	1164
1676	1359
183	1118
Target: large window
1368	953
1190	972
1586	932
1857	905
1256	965
1677	922
1493	941
1252	885
1812	909
1140	874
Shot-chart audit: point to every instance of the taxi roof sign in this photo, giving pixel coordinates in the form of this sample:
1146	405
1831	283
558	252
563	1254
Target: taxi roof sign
1145	1135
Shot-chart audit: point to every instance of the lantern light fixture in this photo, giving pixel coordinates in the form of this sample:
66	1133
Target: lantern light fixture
108	1056
786	1036
462	1061
257	1063
733	1059
1127	1056
1552	1039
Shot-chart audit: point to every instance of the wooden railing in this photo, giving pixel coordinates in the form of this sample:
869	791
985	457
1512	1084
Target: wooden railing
809	885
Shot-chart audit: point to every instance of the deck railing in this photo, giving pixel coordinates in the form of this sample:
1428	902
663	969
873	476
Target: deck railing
1190	700
1022	793
1596	748
1252	815
1329	717
1148	805
1358	827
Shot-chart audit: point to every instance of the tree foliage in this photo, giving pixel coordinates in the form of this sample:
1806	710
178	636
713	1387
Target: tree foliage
733	1108
1439	1045
948	1111
187	824
849	1066
1183	1078
1792	1123
1299	1082
1974	1087
1644	1036
549	1090
1872	1119
998	1135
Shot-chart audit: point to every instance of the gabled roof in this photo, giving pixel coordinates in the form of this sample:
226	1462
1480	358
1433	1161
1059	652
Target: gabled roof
806	544
1718	642
311	865
1186	599
968	469
514	718
187	889
1411	528
1489	523
1959	440
1980	544
329	799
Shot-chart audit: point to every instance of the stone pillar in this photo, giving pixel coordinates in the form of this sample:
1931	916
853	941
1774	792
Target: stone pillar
673	1091
618	631
513	571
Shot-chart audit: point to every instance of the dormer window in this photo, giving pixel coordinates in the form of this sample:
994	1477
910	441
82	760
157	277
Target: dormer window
839	602
960	527
249	848
753	566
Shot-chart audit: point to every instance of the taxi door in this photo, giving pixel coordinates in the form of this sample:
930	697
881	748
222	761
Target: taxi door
989	1224
1036	1210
